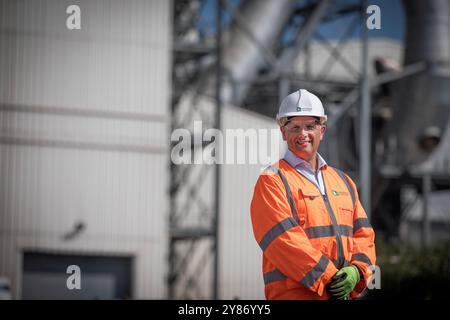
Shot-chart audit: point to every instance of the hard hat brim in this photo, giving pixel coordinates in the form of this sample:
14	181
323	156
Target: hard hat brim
303	114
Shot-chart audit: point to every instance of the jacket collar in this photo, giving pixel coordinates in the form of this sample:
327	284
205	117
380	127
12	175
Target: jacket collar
296	161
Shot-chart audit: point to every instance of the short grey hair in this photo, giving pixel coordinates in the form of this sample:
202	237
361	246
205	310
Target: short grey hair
282	121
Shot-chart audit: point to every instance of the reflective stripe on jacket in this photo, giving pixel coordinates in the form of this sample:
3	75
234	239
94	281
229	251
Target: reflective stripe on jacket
306	237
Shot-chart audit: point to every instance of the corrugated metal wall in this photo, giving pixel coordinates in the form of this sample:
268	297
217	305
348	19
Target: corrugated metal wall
240	255
84	120
84	131
240	260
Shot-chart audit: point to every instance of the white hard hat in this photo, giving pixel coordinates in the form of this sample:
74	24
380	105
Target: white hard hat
301	103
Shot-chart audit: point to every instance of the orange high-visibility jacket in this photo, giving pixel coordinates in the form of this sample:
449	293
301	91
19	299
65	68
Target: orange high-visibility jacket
306	237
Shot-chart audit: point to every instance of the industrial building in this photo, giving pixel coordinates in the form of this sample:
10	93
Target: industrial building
87	122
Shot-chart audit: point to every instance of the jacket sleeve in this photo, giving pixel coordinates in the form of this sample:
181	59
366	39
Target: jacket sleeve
283	241
363	253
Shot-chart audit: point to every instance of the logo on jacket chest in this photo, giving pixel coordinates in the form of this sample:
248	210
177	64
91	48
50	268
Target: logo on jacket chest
339	193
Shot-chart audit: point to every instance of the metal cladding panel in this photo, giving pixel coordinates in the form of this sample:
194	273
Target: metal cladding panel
83	134
240	256
118	60
427	31
48	190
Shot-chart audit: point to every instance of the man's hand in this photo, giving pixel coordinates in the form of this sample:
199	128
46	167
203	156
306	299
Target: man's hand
343	282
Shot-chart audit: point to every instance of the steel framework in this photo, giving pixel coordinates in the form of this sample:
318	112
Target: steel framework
193	253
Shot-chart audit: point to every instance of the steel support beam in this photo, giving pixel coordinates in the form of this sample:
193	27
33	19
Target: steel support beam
365	127
193	216
218	121
305	31
426	192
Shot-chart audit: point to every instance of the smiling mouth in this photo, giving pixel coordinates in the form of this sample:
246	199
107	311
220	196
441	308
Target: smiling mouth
301	143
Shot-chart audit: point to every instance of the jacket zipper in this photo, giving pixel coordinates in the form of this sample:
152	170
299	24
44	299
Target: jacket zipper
341	258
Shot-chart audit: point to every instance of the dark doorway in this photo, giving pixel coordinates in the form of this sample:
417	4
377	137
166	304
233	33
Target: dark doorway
101	277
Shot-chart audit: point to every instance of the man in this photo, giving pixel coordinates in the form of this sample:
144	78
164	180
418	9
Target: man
316	239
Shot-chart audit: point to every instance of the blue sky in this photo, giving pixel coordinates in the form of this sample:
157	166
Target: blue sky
392	19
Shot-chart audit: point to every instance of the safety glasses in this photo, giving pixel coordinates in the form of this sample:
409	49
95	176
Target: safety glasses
297	127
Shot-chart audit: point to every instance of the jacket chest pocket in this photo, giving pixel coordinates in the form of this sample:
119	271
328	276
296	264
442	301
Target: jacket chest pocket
343	202
345	216
310	211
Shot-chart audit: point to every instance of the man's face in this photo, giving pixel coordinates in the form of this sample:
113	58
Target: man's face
303	136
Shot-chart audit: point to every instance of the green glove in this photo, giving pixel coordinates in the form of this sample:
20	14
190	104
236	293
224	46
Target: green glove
343	282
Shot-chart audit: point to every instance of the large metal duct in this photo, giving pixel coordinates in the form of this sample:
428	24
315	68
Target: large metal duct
422	101
428	31
248	43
